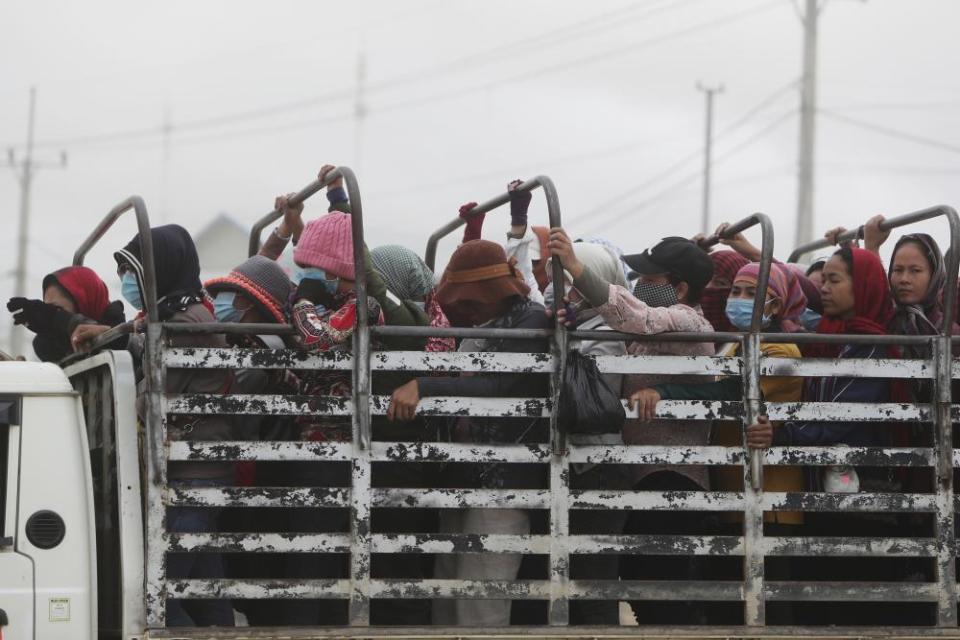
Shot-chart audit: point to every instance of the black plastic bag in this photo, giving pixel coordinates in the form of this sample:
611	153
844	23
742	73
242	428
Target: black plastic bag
587	403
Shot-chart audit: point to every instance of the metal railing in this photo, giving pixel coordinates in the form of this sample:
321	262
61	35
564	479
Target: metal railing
555	455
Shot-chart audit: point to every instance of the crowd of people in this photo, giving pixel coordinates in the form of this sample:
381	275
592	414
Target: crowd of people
675	286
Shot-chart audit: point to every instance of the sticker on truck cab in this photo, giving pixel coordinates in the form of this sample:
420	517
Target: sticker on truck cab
59	609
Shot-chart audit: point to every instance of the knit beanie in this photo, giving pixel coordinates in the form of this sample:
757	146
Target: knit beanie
327	243
260	279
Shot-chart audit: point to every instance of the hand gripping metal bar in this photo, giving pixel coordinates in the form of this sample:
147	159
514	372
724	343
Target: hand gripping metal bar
257	230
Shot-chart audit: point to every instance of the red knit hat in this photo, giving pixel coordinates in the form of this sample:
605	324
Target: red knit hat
327	243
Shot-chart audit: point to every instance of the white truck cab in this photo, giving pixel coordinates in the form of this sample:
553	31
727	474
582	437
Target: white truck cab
71	566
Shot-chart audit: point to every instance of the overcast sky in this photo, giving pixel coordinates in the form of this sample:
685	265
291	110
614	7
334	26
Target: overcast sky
463	96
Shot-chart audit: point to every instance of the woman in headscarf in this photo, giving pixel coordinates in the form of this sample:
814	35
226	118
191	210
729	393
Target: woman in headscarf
783	302
481	287
72	296
917	278
856	300
181	298
713	302
409	278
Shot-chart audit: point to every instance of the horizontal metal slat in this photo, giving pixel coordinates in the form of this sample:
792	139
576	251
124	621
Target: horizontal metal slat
325	497
462	498
240	358
260	542
456	452
281	589
849	547
643	454
461	589
656	500
262	451
258	589
492	362
842	455
536	453
465	361
540	544
847	412
256	404
717	591
846	367
852	591
852	502
656	545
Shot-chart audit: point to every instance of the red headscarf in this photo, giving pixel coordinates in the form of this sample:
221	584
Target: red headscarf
872	304
713	302
86	288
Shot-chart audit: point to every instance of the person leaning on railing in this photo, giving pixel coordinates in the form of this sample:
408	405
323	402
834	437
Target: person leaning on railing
181	298
291	228
783	304
583	316
258	291
672	276
481	288
73	297
856	300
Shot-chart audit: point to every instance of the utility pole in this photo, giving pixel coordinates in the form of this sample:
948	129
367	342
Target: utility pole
27	167
359	106
709	94
167	128
808	118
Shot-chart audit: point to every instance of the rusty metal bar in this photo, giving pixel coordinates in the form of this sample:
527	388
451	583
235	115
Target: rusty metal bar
526	334
156	471
146	246
537	453
659	545
361	431
430	254
753	562
490	362
944	520
849	547
887	225
300	197
254	404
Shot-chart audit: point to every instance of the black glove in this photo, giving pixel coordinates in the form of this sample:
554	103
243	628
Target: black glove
114	314
316	292
39	317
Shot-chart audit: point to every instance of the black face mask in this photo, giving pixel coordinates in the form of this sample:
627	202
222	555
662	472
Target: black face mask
655	295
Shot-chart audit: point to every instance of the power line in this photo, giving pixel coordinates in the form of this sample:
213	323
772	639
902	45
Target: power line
682	162
897	106
609	53
560	36
890	132
266	112
693	177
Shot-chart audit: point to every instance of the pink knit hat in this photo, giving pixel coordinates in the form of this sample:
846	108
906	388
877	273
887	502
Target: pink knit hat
327	243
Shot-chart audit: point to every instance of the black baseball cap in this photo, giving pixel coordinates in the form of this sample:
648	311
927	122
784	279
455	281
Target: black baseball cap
677	256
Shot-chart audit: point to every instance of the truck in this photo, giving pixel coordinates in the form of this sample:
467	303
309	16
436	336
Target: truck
84	491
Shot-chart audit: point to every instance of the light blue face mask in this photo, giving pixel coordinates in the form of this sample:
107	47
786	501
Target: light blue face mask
810	319
223	307
740	313
313	273
130	290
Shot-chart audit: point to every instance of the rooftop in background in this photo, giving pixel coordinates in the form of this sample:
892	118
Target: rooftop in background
221	245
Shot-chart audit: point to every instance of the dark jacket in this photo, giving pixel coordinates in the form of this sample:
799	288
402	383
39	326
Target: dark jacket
841	389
